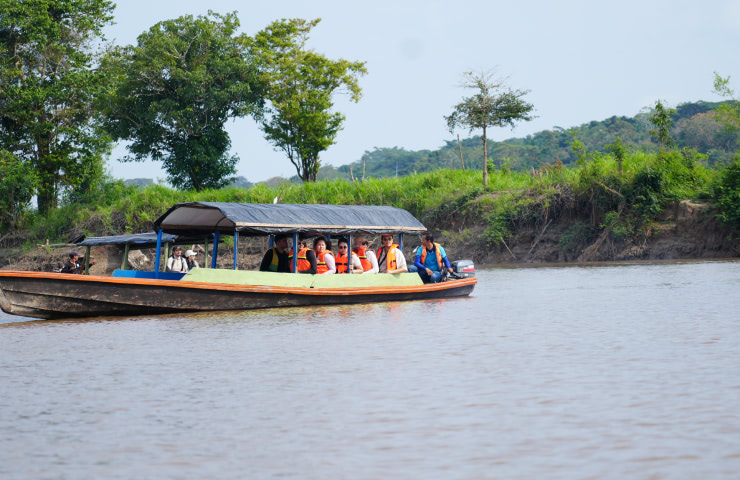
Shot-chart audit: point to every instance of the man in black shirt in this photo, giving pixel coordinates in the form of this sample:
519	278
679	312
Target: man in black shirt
276	259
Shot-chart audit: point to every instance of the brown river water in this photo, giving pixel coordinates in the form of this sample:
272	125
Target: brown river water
617	371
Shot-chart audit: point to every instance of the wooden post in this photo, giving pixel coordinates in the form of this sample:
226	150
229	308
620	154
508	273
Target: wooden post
205	262
87	260
124	260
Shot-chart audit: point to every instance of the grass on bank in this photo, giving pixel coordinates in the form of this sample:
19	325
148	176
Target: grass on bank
594	193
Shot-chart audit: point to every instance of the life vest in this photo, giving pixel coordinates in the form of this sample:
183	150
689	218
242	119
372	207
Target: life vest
320	263
439	255
360	251
391	259
273	267
341	262
303	263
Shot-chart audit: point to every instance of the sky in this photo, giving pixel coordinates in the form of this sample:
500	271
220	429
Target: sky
580	60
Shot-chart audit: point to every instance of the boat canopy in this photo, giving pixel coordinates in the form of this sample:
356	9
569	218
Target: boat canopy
140	240
253	219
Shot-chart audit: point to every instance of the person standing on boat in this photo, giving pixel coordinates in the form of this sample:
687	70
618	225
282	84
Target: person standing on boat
367	257
431	260
344	256
390	257
73	264
306	260
190	258
176	262
324	257
277	258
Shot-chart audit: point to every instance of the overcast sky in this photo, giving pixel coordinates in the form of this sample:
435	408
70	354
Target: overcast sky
581	60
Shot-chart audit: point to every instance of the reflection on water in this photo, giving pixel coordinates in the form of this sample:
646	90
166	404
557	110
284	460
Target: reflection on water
604	372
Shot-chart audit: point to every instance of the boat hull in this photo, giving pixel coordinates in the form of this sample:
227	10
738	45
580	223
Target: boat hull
55	296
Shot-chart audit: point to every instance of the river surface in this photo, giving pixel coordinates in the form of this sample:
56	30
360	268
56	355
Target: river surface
619	371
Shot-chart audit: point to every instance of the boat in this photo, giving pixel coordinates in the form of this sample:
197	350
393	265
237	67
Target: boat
50	295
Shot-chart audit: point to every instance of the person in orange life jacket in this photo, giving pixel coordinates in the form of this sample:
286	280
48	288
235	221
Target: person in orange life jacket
324	257
176	262
390	257
342	257
277	259
430	259
367	257
306	261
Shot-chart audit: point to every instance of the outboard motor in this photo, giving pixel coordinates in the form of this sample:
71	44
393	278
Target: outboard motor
463	268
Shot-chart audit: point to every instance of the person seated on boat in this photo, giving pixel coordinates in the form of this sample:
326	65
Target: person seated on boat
277	258
306	260
431	260
390	257
190	258
324	257
342	257
176	262
73	265
366	255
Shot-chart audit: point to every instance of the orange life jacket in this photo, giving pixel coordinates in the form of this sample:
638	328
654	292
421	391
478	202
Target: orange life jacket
320	263
303	263
341	262
437	251
360	251
391	259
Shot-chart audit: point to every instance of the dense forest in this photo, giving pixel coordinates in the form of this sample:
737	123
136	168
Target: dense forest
694	127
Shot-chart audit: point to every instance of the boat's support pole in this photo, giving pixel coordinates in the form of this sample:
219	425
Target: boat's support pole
271	241
124	260
206	252
236	245
215	249
87	260
349	253
159	251
400	241
295	253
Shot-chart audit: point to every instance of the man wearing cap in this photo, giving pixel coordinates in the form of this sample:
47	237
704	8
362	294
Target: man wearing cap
176	262
73	264
390	257
277	259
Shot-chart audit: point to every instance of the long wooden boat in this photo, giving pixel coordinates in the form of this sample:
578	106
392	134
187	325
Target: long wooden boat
56	295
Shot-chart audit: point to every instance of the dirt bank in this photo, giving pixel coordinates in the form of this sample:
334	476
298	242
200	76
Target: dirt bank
685	230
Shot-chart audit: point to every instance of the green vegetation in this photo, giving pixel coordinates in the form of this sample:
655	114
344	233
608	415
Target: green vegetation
300	85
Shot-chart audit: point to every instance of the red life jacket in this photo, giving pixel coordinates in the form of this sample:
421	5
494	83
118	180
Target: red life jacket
360	251
320	263
303	263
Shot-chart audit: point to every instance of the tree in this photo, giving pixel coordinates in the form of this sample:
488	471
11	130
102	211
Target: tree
175	91
728	112
17	186
495	105
48	83
662	123
300	88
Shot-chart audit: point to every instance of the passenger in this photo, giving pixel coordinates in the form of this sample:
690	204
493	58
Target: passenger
367	257
390	257
430	260
73	264
306	260
324	257
176	263
190	258
341	259
277	258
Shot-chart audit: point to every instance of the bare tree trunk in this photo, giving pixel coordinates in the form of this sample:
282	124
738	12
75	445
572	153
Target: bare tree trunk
485	158
459	146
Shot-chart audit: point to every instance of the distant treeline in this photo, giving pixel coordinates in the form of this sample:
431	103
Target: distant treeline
694	127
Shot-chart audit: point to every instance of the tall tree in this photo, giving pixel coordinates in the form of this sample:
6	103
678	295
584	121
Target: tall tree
175	91
300	88
728	112
494	105
48	83
662	122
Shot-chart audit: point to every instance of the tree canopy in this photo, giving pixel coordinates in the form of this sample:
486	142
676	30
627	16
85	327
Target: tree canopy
49	80
494	105
300	87
175	91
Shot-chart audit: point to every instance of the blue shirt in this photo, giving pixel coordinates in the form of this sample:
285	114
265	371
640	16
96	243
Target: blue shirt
431	260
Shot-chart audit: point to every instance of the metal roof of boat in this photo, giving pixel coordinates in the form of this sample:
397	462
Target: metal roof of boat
263	219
